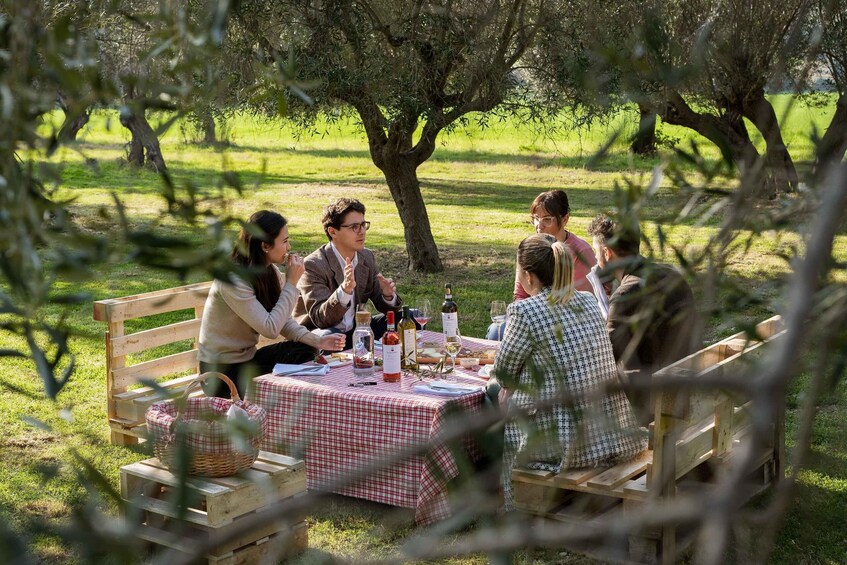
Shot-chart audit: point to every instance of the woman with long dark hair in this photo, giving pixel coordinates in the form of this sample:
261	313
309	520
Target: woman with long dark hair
257	301
556	360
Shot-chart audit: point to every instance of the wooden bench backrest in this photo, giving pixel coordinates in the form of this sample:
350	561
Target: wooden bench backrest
694	425
116	311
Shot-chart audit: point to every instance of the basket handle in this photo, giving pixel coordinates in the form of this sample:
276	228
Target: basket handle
199	380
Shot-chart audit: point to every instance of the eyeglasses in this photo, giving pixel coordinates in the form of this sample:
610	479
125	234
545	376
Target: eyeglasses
544	222
364	226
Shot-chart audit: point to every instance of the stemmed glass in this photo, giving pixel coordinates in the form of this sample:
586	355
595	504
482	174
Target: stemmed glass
452	345
498	315
422	314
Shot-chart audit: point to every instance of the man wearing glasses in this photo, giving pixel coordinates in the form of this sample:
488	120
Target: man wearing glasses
342	274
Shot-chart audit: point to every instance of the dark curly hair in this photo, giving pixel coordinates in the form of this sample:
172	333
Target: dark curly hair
335	212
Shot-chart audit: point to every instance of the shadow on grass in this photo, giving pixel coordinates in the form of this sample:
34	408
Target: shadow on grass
813	530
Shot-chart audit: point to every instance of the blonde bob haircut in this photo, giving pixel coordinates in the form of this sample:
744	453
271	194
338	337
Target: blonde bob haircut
551	261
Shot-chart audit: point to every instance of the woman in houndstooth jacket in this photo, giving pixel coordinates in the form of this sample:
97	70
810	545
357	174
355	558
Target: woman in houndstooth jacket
556	345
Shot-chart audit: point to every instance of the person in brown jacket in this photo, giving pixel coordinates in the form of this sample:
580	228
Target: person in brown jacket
653	319
342	275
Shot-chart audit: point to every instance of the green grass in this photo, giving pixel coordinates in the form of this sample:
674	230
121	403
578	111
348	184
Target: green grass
478	186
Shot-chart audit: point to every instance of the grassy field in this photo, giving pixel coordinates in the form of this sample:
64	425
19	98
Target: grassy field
478	187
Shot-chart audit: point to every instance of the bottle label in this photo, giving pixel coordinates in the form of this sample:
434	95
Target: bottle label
391	359
410	347
450	323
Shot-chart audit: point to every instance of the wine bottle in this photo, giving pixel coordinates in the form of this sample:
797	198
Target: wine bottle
391	351
449	312
409	339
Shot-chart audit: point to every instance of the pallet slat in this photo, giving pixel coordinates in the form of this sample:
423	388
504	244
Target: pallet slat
615	476
156	337
163	366
151	303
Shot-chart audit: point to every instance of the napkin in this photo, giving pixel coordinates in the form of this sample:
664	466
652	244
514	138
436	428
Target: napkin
445	388
281	369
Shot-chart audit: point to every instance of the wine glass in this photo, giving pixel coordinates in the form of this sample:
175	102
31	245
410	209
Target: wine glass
498	315
452	345
422	314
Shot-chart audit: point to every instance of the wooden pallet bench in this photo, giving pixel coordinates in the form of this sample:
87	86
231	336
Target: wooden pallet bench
132	357
696	438
217	507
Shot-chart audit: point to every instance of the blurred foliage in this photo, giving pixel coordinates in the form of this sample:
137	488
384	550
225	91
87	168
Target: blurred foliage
409	71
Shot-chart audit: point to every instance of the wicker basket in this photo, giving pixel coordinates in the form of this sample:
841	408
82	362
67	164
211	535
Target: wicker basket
196	427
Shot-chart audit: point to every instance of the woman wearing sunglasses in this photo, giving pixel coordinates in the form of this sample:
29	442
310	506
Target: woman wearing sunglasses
549	213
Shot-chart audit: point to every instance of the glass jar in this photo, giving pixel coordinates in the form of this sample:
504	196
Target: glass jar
363	346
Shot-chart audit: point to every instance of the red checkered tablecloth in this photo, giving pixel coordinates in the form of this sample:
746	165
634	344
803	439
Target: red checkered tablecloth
338	429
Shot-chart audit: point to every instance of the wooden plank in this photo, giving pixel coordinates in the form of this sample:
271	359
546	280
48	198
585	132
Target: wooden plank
702	405
174	385
722	439
538	499
151	303
577	476
694	449
164	508
519	473
168	365
156	337
280	459
135	409
616	476
154	471
637	486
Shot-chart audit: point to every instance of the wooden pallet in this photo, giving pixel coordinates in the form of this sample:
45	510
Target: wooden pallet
216	508
126	401
695	440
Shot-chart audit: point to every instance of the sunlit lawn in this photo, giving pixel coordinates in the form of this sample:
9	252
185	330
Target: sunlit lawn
478	187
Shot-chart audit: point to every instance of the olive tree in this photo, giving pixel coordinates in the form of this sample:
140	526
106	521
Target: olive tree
409	70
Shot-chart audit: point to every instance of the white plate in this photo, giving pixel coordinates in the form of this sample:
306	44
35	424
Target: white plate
485	371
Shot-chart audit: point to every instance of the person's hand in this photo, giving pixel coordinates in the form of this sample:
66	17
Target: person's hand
295	268
349	282
333	342
387	286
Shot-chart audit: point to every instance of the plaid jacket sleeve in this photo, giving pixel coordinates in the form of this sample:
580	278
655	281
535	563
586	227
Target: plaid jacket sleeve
514	349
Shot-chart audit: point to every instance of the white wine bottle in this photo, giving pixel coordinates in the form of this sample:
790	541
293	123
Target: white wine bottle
409	338
449	312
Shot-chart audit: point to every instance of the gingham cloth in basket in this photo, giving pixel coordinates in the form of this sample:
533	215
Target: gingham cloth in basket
206	434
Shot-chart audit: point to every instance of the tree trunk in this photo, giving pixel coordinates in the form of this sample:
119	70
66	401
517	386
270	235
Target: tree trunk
75	119
644	140
391	149
402	178
143	139
727	131
208	125
780	166
833	144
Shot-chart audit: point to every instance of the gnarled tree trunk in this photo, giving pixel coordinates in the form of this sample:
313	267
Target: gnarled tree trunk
144	139
833	144
780	166
402	178
644	140
209	130
392	152
75	118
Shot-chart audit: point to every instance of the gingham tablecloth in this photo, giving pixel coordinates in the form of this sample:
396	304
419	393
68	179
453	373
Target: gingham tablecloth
338	429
